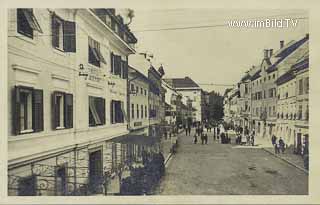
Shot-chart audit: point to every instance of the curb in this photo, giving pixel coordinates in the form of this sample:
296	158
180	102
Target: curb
167	159
285	160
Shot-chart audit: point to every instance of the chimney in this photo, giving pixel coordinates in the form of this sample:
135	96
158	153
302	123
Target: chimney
270	53
281	44
265	53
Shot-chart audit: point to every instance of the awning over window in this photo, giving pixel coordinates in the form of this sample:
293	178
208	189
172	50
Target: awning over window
137	139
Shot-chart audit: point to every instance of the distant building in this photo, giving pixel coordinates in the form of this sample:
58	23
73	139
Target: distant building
191	92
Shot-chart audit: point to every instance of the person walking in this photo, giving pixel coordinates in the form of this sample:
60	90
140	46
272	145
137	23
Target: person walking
252	140
195	138
276	148
186	129
189	129
281	145
206	138
273	140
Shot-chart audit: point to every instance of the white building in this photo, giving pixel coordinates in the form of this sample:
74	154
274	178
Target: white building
68	95
191	91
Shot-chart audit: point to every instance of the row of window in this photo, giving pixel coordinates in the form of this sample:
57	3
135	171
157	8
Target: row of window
271	111
264	79
141	111
136	90
262	95
27	110
64	39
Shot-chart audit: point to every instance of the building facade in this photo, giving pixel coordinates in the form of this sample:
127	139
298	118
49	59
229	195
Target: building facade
68	97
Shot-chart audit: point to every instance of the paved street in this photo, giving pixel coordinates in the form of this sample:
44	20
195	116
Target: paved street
223	169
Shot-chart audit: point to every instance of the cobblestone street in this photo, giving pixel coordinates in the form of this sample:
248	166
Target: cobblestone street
224	169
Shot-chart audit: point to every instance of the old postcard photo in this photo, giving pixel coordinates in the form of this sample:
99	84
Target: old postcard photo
157	102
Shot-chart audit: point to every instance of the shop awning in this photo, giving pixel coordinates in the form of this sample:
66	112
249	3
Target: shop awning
137	139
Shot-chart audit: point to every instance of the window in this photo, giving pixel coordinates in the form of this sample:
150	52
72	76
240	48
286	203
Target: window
27	110
137	111
145	92
119	67
117	111
270	113
62	110
27	23
137	90
27	186
269	77
300	112
95	170
300	87
132	87
132	111
96	111
274	110
274	76
63	34
95	56
145	111
306	83
61	181
142	111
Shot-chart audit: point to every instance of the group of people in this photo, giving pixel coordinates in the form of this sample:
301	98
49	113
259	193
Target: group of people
278	144
247	140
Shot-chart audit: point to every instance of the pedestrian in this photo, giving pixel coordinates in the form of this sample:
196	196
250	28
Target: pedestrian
195	137
248	139
252	140
189	129
281	145
273	140
206	138
186	129
202	139
276	148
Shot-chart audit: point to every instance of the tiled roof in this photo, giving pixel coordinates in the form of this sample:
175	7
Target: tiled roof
181	82
285	52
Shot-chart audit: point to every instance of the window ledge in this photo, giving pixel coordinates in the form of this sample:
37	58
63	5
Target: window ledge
59	51
60	128
26	38
26	131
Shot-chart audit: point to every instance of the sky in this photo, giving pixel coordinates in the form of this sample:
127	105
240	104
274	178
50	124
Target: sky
211	55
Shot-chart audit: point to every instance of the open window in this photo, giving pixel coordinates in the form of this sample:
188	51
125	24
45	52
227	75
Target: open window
27	22
96	111
63	34
27	110
116	112
95	56
62	110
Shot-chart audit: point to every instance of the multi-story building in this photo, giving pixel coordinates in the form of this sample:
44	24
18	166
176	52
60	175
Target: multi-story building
67	74
138	102
287	94
301	135
191	91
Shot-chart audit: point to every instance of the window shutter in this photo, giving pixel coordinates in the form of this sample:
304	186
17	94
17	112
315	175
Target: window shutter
111	112
125	69
68	110
16	110
103	110
37	110
69	36
111	62
55	31
54	112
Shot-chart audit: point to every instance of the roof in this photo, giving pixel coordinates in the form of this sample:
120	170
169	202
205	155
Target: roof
285	77
302	64
286	52
246	77
181	82
138	74
256	75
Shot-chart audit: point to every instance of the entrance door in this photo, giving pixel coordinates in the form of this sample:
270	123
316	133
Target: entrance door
61	181
299	144
95	171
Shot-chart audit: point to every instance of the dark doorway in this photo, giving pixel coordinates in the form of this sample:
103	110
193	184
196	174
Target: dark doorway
27	186
95	171
61	181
